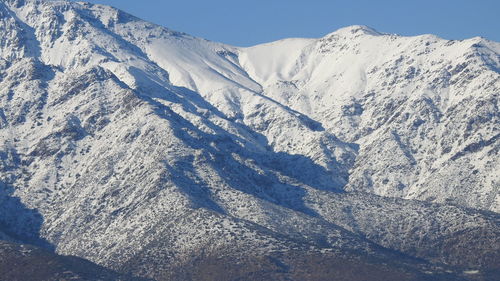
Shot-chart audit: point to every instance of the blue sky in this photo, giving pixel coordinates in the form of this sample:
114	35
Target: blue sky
246	23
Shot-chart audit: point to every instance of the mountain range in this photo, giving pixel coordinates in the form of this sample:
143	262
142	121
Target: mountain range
129	150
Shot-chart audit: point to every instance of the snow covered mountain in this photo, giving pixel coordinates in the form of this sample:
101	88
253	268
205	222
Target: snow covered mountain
423	110
158	154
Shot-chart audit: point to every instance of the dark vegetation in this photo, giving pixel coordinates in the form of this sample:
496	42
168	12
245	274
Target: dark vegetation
20	262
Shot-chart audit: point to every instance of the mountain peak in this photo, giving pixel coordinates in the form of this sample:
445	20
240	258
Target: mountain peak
356	30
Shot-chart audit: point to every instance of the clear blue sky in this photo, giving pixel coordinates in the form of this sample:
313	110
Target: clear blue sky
246	23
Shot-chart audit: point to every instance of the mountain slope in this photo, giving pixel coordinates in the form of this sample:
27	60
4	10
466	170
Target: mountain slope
26	263
155	153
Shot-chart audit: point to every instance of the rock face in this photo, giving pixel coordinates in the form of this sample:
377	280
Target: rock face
165	156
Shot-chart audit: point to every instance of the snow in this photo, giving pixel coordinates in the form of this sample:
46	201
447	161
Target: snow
276	60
